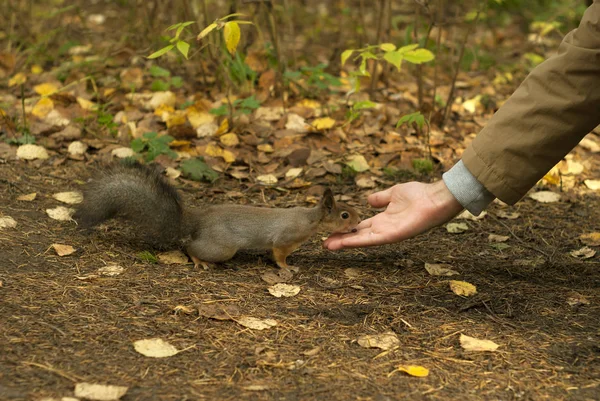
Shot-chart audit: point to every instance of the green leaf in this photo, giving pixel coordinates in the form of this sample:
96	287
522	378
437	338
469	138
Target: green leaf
394	58
182	27
157	72
365	104
419	56
137	145
150	135
415	117
160	52
177	82
198	170
345	55
222	110
250	103
147	257
387	47
183	48
159	85
407	48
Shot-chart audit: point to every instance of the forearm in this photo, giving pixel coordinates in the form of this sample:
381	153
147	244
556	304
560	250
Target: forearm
554	107
469	192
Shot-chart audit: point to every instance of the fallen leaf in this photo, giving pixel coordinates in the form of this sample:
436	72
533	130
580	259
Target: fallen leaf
184	309
173	258
280	276
365	182
99	392
284	290
17	79
474	344
206	130
199	118
384	341
358	163
7	222
296	123
584	253
257	387
440	269
32	152
70	198
545	196
63	250
265	147
256	324
172	173
60	213
86	104
45	89
230	140
590	239
267	179
352	273
293	172
414	370
218	311
27	198
111	270
312	352
158	99
498	238
155	348
43	107
77	148
269	113
456	228
324	123
576	299
462	288
122	153
592	184
469	216
503	214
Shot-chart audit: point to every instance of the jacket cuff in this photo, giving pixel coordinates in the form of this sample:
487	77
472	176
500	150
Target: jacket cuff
466	189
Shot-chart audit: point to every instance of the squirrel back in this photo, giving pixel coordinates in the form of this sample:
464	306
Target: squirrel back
139	194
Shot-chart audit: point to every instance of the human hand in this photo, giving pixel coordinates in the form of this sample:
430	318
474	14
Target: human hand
412	209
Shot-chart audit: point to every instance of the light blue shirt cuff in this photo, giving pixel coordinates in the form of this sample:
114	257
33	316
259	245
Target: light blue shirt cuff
466	189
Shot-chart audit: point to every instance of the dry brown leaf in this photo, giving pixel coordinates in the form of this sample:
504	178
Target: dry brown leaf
230	140
590	239
32	152
456	228
284	290
99	392
462	288
469	216
77	148
384	341
7	222
27	198
122	153
503	214
218	311
267	179
173	258
155	348
583	253
111	270
498	238
358	163
594	185
71	198
280	276
440	269
545	196
255	323
63	250
474	344
60	213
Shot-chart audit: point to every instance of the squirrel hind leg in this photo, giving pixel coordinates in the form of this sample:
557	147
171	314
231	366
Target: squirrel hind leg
280	255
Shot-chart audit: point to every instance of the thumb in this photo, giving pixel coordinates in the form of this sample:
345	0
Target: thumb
381	199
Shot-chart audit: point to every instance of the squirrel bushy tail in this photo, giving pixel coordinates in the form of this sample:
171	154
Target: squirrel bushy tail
138	194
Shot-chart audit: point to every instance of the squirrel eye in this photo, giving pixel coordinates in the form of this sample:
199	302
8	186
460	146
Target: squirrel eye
345	215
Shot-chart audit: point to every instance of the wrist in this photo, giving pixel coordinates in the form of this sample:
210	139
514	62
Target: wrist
443	201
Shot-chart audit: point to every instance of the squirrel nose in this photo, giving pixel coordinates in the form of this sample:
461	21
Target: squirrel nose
354	230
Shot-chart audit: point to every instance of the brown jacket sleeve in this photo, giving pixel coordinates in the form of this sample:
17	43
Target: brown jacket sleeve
550	112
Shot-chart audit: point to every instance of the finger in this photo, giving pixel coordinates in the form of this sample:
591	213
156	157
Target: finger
362	238
381	199
364	224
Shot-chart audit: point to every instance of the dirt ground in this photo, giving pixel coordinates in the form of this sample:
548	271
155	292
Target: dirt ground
57	330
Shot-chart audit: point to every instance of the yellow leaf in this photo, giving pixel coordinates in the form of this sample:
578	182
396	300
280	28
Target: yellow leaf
86	104
228	156
308	103
213	150
17	79
323	123
232	34
197	118
223	128
43	107
265	147
414	370
45	89
387	47
591	239
206	31
230	139
163	111
462	288
176	118
109	91
36	69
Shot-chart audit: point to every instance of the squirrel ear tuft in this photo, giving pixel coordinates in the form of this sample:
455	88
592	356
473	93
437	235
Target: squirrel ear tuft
327	200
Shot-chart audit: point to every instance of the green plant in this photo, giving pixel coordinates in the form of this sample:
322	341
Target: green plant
176	42
106	120
416	118
163	79
384	52
153	145
396	174
147	256
315	78
356	110
198	170
423	166
238	106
